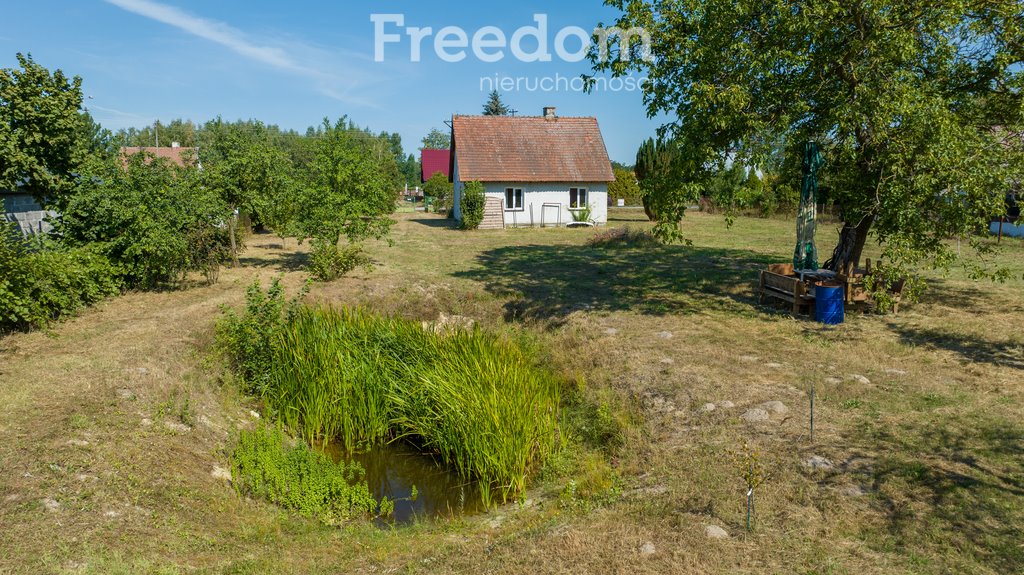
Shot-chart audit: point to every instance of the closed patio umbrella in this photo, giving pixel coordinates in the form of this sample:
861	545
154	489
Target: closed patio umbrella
806	255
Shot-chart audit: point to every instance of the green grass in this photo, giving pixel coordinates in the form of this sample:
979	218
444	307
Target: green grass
477	401
929	468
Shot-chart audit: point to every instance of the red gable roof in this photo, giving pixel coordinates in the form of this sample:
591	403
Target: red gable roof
180	156
530	149
434	161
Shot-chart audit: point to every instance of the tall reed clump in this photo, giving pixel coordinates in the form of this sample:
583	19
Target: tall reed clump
334	371
473	399
484	407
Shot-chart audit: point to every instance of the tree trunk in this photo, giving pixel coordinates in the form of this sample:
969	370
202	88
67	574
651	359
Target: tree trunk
232	227
851	245
647	209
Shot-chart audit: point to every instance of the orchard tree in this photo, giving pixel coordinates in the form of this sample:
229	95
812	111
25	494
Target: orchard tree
915	103
351	189
437	140
41	128
251	174
495	107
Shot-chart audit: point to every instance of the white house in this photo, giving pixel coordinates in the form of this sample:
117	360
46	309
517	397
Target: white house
536	170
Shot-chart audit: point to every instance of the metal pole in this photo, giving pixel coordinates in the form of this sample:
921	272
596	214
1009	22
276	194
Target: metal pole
812	412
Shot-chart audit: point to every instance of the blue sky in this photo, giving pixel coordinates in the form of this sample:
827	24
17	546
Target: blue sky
293	63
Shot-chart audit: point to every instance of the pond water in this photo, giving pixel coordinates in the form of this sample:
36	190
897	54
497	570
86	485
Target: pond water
393	470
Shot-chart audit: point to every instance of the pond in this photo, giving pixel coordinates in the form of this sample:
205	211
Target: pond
393	470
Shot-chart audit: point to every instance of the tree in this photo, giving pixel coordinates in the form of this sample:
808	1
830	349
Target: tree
349	192
625	187
40	130
905	98
495	107
251	175
439	188
472	204
660	167
437	140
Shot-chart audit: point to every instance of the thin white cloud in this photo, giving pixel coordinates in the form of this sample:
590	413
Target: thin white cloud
213	31
329	84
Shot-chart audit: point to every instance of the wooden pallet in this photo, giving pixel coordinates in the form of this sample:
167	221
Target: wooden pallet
494	214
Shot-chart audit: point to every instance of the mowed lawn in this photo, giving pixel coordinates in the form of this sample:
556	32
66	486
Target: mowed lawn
115	427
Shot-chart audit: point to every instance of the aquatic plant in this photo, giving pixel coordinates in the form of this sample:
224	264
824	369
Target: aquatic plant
475	400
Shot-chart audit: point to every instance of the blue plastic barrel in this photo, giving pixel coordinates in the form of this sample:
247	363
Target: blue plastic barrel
829	304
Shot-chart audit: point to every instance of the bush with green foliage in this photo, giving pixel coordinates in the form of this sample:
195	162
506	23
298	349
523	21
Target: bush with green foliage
582	215
37	287
329	262
625	187
152	218
248	340
439	188
266	464
472	205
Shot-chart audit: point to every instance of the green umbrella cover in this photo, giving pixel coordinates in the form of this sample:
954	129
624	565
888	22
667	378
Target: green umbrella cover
806	255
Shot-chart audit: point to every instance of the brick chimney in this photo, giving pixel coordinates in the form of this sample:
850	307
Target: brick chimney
549	113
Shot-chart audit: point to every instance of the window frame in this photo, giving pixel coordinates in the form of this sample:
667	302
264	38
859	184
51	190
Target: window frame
586	199
515	192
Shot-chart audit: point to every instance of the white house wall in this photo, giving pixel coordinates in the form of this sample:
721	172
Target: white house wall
535	196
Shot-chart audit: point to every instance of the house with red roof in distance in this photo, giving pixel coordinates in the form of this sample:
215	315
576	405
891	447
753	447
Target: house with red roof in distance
536	170
434	162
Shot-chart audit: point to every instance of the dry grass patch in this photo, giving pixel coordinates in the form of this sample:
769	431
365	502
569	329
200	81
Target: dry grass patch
926	467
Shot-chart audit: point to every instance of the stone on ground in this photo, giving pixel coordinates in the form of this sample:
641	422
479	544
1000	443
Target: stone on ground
715	532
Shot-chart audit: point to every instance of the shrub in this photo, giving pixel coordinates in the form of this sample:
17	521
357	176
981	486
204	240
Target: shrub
248	340
328	262
152	218
439	188
582	214
267	466
472	205
37	287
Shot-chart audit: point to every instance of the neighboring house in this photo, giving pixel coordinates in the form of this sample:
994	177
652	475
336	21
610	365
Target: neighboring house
176	154
434	161
536	170
22	209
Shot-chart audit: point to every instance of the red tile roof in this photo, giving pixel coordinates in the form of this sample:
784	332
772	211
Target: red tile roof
530	149
434	161
180	156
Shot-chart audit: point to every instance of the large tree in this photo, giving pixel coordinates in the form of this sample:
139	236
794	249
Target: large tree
351	188
41	129
915	102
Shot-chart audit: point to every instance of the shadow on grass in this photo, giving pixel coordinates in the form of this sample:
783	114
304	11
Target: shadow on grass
287	261
437	223
550	282
1005	353
969	475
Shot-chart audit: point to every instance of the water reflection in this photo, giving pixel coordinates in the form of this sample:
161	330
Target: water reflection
394	470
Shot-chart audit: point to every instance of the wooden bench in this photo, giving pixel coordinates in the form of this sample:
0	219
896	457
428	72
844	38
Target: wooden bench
786	288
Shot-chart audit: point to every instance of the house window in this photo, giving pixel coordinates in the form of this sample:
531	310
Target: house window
577	198
513	199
